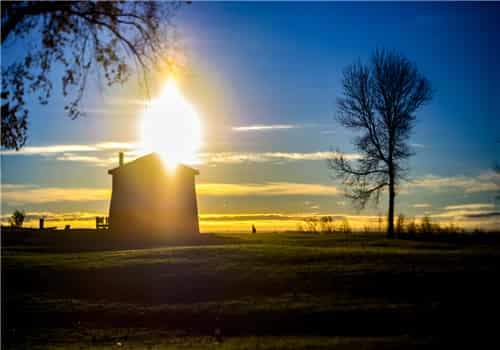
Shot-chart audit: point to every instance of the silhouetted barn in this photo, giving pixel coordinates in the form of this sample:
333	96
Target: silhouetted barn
148	198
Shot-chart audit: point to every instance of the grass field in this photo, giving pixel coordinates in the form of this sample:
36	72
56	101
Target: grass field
263	291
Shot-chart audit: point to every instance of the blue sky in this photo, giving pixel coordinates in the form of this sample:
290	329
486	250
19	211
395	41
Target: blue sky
281	64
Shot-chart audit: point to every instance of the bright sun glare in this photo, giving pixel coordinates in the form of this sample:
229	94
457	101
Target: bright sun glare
171	127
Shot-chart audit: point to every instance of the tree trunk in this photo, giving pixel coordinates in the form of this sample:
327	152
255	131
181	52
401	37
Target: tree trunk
390	214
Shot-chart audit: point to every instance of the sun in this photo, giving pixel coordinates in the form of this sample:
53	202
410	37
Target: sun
170	126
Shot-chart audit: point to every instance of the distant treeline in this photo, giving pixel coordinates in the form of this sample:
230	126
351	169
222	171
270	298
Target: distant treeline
404	226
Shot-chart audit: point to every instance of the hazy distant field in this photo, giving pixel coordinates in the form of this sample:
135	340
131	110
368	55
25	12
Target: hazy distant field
264	291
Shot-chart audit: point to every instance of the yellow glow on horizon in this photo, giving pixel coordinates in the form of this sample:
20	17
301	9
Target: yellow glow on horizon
170	126
242	222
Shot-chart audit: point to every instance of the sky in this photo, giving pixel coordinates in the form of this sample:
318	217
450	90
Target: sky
264	79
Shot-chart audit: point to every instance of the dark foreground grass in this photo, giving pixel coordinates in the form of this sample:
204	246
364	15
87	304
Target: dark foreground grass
264	291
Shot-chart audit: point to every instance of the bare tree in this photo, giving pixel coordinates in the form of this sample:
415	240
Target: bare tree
110	37
379	101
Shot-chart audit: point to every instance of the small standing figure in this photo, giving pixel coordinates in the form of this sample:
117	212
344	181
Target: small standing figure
254	230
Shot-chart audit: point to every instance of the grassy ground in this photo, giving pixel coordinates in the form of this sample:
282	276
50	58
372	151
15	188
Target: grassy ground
263	291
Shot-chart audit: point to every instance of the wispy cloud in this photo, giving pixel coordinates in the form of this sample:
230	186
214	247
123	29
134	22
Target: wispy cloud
312	205
485	182
265	189
490	175
11	187
421	205
119	101
472	206
261	157
471	215
105	111
262	127
116	146
50	149
252	217
485	215
101	154
463	214
285	217
74	148
94	160
417	145
30	194
36	195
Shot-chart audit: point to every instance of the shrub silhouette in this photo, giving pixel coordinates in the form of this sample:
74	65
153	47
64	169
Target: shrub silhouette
344	226
411	228
312	224
400	225
426	225
17	218
327	224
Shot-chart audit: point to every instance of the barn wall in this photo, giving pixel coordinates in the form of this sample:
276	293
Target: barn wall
176	209
148	201
131	204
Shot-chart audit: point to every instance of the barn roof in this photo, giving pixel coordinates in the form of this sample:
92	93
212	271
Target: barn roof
151	157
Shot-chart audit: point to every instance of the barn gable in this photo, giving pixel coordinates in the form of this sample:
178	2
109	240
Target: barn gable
151	161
